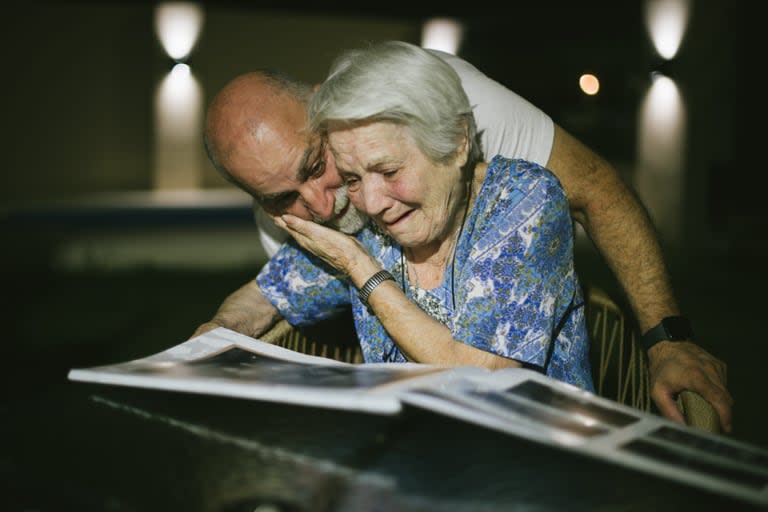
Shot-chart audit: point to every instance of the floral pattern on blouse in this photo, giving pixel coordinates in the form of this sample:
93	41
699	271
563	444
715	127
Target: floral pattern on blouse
512	279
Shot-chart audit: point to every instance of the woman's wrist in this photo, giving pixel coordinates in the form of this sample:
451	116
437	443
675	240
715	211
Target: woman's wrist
372	283
360	270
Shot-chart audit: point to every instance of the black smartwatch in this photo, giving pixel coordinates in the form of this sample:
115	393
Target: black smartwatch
671	328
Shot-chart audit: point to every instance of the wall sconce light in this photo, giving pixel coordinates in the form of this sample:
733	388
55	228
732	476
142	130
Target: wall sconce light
442	34
667	21
662	68
662	121
178	26
178	100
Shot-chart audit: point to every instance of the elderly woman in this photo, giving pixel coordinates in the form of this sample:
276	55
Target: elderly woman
442	273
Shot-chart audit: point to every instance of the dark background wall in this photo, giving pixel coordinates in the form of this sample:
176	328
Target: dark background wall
78	85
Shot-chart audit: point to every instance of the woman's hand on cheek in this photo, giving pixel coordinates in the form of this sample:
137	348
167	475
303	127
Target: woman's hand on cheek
334	247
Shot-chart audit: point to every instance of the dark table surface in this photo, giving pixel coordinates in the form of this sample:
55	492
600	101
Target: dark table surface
76	446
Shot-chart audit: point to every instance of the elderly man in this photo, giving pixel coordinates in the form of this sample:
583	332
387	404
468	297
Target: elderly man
255	135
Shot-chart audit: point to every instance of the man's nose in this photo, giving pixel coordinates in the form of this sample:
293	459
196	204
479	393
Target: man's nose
318	199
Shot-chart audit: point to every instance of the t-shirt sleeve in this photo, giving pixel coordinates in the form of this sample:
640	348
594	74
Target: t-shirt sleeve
302	287
519	270
511	126
270	236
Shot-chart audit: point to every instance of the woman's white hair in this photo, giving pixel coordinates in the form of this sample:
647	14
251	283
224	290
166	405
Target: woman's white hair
401	83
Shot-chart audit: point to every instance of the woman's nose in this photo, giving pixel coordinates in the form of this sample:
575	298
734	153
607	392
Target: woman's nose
372	197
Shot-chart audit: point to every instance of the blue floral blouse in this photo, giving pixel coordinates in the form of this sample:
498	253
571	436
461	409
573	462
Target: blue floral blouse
511	289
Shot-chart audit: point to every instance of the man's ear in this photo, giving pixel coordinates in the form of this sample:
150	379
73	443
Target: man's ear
315	87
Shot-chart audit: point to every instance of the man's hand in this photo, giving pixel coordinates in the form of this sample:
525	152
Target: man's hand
246	311
207	326
677	366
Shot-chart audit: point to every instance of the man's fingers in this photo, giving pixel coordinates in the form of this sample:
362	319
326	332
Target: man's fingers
686	366
667	406
710	389
722	371
723	409
720	399
208	326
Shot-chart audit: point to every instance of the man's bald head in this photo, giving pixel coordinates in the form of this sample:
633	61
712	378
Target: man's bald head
255	136
250	109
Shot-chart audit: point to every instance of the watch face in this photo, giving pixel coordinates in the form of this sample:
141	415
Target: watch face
677	328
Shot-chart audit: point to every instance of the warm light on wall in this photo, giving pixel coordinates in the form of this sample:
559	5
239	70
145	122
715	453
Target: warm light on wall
589	84
660	151
662	122
442	34
178	162
178	124
178	26
667	21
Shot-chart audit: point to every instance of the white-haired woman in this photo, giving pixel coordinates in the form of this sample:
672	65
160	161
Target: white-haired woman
442	273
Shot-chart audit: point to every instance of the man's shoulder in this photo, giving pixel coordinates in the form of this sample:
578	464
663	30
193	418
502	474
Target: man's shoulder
461	66
507	177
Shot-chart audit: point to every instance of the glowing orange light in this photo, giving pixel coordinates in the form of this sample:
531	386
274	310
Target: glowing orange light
589	84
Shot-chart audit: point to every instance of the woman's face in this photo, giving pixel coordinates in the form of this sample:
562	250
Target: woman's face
415	200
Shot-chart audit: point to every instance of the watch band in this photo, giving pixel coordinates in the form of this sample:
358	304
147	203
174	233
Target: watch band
374	281
671	328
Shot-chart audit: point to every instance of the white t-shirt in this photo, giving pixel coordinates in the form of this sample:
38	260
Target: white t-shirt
511	126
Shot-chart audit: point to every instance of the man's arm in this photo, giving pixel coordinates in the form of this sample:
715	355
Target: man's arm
622	231
246	311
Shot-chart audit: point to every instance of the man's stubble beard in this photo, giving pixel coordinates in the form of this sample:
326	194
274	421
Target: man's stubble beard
353	220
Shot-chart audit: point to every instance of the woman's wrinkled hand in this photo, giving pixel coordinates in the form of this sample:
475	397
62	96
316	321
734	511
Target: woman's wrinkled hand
343	252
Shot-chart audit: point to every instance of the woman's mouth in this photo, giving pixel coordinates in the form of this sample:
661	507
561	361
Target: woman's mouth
398	221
